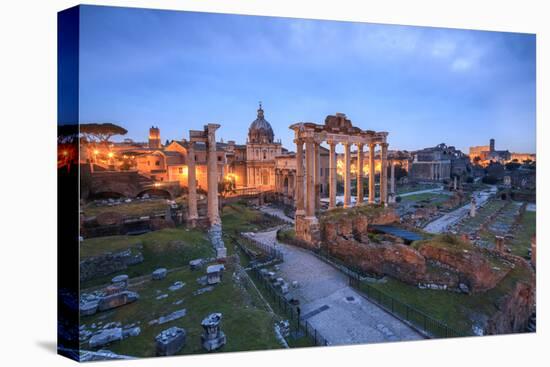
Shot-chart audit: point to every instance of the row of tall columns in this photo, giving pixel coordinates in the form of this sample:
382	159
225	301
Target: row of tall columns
311	179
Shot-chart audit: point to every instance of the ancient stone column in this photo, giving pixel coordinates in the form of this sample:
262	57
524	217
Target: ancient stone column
299	187
332	177
191	185
384	173
455	186
499	244
391	197
473	207
392	178
310	181
212	175
359	174
316	175
347	175
372	174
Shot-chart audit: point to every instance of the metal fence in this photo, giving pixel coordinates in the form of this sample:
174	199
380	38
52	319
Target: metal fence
299	327
418	319
430	326
271	253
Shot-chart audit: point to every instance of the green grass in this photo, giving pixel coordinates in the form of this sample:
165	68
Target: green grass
238	217
136	208
430	198
168	248
459	311
371	211
522	237
402	189
246	323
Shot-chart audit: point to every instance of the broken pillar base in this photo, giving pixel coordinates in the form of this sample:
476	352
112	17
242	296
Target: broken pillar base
308	231
211	344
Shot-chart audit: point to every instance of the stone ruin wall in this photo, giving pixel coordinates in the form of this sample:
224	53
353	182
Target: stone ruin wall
97	266
346	238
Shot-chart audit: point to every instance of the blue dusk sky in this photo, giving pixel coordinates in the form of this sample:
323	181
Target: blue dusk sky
425	86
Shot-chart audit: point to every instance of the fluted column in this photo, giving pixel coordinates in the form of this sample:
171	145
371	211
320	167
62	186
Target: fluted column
316	175
347	176
191	184
372	174
212	176
384	173
332	175
310	186
359	174
299	187
392	178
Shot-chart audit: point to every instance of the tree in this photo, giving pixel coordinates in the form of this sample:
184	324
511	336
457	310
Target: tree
225	187
101	133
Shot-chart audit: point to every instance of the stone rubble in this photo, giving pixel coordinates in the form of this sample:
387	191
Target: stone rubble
170	341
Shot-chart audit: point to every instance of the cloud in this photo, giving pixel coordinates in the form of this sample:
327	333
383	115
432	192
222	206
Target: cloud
461	64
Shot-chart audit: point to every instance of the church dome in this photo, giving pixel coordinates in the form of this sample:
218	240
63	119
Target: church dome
260	131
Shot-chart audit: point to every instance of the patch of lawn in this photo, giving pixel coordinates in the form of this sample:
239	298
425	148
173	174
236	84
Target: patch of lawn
246	323
168	248
136	208
241	218
521	243
460	312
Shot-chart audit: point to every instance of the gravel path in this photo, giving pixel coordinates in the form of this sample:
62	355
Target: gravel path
337	311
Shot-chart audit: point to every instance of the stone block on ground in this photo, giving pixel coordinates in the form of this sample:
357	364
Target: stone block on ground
120	280
159	274
170	341
88	308
196	264
105	337
117	300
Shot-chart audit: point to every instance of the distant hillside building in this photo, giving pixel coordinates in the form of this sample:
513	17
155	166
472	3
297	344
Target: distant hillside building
489	153
438	163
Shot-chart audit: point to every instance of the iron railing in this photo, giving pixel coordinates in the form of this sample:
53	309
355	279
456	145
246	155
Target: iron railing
297	324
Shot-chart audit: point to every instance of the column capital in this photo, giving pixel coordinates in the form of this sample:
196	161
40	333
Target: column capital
384	145
360	146
298	141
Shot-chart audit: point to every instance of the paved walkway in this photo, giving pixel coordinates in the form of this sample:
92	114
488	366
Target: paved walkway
276	212
427	191
444	222
337	311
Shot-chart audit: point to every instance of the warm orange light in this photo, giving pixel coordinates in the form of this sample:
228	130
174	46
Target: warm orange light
96	151
65	153
110	154
231	176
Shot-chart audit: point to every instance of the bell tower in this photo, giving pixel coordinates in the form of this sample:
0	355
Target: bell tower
154	137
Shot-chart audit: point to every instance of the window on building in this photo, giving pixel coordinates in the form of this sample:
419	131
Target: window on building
157	163
180	170
219	159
